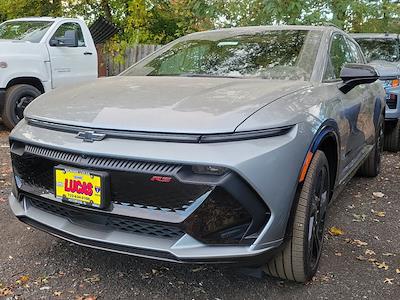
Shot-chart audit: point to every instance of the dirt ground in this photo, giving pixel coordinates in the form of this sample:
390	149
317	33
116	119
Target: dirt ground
361	257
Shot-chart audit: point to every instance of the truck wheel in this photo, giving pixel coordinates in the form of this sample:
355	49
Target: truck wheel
17	99
299	258
392	137
372	165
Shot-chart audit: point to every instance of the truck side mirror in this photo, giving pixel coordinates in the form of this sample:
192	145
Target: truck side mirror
70	39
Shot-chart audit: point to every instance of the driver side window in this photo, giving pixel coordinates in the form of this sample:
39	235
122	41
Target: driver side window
72	26
339	55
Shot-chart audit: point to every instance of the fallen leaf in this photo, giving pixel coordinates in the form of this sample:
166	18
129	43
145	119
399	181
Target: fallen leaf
397	271
4	292
360	243
43	288
378	213
338	253
360	257
334	231
388	254
382	265
378	194
23	279
86	297
369	252
57	293
95	278
359	218
388	280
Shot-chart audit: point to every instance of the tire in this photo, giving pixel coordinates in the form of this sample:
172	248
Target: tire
392	137
16	100
298	261
372	165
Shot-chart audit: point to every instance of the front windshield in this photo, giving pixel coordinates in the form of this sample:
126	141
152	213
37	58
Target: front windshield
30	31
380	49
271	54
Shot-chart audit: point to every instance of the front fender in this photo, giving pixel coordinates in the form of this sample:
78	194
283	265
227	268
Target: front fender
21	66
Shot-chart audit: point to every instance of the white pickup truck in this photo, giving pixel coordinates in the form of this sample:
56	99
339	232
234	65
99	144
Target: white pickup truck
40	54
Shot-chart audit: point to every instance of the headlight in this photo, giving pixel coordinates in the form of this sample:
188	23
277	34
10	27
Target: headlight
3	65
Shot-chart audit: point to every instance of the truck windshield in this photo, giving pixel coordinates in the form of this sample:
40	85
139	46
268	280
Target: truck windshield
270	54
380	49
30	31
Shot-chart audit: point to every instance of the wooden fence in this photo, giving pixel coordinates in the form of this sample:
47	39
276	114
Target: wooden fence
131	56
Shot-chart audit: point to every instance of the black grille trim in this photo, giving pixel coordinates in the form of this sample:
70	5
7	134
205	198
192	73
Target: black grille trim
392	102
116	223
167	137
104	162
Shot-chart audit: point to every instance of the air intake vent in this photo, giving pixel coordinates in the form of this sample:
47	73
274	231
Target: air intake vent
116	223
392	101
103	162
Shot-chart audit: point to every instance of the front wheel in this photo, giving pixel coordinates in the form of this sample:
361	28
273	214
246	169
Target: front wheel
17	99
299	259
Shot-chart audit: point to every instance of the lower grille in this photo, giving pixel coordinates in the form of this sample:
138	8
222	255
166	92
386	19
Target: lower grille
127	187
391	102
122	224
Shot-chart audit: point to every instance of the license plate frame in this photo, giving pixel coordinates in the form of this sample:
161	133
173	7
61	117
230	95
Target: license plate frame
99	180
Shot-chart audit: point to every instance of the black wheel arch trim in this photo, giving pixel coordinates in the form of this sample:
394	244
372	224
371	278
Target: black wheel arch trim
328	128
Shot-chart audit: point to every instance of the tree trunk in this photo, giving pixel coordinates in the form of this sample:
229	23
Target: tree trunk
106	9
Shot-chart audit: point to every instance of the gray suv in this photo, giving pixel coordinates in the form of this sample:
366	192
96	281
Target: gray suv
222	147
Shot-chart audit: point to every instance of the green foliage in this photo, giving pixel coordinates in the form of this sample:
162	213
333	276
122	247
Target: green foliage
160	21
22	8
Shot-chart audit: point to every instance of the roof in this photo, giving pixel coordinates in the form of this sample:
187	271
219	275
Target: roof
50	19
374	35
226	32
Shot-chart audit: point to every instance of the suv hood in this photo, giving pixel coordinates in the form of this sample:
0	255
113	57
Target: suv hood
161	104
386	68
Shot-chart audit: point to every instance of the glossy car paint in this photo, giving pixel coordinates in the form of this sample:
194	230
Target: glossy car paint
271	166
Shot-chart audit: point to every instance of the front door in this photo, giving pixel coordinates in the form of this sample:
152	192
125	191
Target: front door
354	112
71	65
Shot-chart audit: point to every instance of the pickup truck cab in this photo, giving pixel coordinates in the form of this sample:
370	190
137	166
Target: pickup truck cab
383	49
38	55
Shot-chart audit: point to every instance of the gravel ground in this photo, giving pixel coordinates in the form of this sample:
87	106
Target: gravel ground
359	259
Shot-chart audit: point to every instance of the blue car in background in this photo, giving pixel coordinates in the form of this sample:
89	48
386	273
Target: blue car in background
384	50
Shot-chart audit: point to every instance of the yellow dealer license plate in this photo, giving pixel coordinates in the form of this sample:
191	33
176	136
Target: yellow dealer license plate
79	186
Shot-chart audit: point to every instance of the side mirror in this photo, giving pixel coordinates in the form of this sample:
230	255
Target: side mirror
70	39
356	74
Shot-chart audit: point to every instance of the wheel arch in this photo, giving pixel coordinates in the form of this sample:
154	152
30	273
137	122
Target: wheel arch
327	140
33	81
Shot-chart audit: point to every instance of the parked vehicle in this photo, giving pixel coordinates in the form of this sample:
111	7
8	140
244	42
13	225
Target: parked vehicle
222	147
384	50
38	55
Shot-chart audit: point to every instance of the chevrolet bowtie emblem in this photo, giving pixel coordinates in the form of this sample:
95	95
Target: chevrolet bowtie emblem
90	136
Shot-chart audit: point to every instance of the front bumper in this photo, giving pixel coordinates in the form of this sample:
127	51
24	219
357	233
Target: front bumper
184	250
264	173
